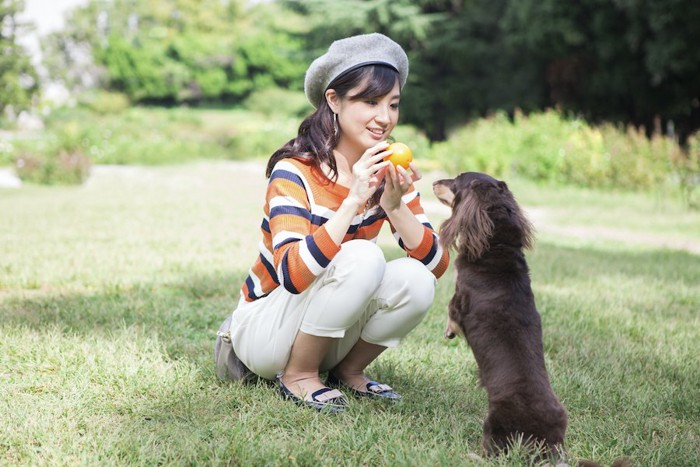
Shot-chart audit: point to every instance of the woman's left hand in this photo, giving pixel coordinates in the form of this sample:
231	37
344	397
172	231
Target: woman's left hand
398	181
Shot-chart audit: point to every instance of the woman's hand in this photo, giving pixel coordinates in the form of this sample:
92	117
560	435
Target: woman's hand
368	172
398	181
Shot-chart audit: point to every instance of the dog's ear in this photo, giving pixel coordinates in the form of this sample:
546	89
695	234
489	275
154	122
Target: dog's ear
526	228
469	228
523	223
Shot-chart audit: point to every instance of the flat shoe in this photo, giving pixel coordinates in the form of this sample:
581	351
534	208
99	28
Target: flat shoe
324	399
375	390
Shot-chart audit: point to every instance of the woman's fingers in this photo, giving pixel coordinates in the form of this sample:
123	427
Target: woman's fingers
374	150
415	173
404	178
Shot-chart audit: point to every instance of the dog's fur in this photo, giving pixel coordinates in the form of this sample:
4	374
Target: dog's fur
494	308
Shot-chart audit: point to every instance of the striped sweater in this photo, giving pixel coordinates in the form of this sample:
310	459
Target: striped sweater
295	246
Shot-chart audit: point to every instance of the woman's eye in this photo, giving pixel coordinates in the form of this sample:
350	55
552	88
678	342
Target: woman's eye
371	102
395	106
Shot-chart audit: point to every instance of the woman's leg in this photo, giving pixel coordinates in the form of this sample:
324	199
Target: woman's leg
336	306
399	305
276	333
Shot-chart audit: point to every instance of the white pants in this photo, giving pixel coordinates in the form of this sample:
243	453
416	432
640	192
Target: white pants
359	295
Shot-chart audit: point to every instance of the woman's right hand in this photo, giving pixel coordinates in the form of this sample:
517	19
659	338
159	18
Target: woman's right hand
368	173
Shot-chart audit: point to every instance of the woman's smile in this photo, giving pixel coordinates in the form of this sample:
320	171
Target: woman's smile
377	133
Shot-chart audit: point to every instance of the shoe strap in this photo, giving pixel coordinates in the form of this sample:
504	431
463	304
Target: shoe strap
326	394
378	388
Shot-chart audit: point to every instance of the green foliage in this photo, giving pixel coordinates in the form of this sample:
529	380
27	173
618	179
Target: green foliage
174	52
627	61
254	139
630	61
104	102
687	166
275	101
56	159
18	78
101	132
548	147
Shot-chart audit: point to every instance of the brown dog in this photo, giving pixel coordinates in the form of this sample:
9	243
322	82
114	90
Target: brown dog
494	308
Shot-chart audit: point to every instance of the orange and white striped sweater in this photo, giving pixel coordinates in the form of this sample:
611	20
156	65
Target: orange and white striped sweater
295	247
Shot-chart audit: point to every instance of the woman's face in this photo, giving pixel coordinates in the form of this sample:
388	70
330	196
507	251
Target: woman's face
367	121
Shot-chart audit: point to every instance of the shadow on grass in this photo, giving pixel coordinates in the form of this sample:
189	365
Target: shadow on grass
185	314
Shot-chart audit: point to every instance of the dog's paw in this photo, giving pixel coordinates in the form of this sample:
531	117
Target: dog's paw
451	329
449	333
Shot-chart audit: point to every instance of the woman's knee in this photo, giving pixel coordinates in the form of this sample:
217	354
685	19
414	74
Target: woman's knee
360	262
415	279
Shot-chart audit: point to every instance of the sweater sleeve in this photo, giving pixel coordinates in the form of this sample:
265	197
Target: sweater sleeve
301	248
429	252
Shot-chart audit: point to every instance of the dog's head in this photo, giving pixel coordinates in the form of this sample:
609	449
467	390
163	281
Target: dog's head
484	211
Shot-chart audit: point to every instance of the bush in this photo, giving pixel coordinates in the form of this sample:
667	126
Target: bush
548	147
60	168
687	167
276	102
260	138
482	146
104	102
7	150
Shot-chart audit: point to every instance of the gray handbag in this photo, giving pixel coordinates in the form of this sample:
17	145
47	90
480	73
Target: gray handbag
228	366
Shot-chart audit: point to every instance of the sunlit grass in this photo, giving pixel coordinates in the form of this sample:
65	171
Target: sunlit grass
110	295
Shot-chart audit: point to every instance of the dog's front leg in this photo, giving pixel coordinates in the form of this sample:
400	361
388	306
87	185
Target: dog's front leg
453	329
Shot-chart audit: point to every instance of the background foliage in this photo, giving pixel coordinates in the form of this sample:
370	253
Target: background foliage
170	52
628	61
485	74
622	61
18	78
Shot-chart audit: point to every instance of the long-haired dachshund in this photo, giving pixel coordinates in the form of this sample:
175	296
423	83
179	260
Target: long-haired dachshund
494	308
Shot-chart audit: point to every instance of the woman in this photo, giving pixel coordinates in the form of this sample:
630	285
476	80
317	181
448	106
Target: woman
320	296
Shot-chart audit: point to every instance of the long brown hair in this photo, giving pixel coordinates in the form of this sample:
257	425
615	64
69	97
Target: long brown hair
317	137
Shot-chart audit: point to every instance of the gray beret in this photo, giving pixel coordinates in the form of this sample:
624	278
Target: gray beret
350	53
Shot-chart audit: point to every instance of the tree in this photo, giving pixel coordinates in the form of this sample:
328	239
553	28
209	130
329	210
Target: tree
18	78
627	61
172	51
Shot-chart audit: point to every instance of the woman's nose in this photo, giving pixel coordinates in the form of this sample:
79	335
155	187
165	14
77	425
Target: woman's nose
383	115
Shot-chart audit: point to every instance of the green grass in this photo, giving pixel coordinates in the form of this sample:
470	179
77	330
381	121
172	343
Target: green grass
111	293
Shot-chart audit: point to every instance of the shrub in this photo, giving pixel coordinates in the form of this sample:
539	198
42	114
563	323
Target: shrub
482	146
104	102
60	168
551	148
7	150
277	102
687	168
260	138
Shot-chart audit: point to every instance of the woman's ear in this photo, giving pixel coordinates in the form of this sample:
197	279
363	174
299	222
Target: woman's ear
333	100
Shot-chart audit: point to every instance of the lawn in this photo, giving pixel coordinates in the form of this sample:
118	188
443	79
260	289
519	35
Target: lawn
111	293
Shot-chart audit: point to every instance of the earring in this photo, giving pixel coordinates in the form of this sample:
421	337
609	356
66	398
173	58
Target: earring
335	124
